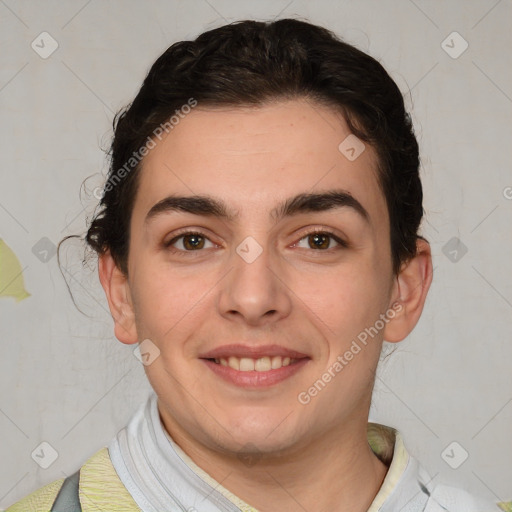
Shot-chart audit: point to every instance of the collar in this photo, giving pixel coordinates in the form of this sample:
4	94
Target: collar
161	477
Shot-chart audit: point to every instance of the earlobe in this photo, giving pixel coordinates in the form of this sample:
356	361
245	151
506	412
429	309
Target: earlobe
117	289
410	292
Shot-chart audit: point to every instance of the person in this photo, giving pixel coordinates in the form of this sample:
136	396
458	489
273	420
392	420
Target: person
258	237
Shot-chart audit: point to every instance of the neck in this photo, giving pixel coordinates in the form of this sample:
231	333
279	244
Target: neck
337	471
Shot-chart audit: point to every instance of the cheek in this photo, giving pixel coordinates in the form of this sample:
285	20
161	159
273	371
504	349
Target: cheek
159	299
170	301
342	297
346	303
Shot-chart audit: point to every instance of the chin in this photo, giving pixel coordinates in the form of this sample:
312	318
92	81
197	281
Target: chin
257	434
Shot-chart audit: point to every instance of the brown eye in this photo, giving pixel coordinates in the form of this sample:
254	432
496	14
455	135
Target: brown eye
188	242
191	242
319	241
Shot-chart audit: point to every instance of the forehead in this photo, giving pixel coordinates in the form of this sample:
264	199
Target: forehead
255	157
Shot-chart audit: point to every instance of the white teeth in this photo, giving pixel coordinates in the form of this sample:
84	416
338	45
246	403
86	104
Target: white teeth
246	364
234	362
262	364
277	362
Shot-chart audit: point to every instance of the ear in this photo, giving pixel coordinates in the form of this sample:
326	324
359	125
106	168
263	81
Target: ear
117	290
409	293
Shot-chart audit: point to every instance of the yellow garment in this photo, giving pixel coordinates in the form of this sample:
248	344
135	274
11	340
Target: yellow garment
100	489
40	500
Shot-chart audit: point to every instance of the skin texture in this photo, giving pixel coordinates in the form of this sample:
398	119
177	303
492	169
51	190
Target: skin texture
263	444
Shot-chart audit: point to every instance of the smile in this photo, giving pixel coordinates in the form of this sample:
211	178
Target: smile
254	367
262	364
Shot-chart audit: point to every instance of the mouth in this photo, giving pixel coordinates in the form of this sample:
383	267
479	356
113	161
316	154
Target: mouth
251	367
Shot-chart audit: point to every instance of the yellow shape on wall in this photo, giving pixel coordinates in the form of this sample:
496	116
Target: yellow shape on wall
11	276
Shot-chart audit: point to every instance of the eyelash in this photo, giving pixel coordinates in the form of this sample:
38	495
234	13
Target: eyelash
341	243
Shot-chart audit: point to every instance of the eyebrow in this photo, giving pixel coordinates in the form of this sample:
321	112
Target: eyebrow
301	203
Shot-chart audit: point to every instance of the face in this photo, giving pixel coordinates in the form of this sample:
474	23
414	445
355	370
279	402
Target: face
258	295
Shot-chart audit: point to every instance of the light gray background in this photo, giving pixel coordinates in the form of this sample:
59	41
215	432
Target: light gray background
67	381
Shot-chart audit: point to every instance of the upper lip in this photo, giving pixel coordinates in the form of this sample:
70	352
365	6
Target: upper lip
254	352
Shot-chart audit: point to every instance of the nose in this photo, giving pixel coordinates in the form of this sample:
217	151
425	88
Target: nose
253	292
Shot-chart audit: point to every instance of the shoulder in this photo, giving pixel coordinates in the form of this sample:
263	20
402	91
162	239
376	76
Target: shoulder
100	489
40	500
409	487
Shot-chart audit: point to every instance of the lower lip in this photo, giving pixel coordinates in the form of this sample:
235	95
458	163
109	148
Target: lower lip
254	379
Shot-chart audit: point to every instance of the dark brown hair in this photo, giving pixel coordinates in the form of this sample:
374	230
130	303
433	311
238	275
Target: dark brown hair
251	63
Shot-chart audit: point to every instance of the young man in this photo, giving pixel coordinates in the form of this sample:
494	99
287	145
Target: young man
259	237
